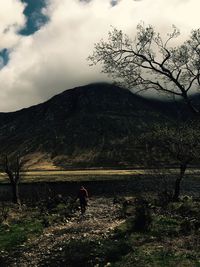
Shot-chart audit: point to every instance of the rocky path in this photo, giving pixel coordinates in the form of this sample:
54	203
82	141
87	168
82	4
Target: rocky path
100	219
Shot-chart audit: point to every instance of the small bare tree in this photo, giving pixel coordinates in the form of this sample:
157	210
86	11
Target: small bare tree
13	166
179	144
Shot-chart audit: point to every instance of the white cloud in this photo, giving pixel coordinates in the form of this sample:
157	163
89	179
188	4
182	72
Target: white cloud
54	58
11	21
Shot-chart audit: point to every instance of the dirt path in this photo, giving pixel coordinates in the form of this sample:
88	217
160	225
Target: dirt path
100	219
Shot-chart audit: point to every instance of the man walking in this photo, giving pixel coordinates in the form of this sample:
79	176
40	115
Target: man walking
83	198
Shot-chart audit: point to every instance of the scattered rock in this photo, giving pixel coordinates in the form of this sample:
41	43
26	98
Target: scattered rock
100	220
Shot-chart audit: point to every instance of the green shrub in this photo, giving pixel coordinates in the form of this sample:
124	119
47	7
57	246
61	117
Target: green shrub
18	233
164	226
125	228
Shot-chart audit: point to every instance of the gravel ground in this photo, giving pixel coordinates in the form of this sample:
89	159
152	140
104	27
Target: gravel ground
101	217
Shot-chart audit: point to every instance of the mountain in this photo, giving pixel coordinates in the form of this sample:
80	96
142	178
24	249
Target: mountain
93	125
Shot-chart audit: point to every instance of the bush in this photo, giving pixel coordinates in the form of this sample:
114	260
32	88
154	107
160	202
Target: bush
165	226
143	216
4	212
128	207
186	207
57	209
164	198
188	226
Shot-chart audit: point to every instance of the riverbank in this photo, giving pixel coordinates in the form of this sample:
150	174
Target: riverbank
104	186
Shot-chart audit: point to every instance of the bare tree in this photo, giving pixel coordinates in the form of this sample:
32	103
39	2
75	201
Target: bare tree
179	145
150	62
13	166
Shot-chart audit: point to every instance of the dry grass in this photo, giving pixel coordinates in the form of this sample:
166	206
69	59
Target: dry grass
74	175
88	175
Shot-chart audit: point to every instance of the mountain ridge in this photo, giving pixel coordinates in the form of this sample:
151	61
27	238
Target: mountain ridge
92	125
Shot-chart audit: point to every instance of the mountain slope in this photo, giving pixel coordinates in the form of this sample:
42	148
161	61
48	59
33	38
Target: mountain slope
93	125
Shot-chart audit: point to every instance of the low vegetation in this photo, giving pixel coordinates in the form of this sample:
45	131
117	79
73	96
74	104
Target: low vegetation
171	240
21	224
152	232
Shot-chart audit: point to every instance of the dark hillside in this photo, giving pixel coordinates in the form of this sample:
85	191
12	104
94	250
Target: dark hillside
92	125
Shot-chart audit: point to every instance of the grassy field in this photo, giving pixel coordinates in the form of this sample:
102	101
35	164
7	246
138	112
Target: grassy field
91	174
74	175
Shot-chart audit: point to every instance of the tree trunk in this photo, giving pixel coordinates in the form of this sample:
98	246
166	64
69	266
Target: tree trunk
183	167
15	193
192	108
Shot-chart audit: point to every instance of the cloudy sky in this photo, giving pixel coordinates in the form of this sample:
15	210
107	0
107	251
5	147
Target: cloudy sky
44	43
